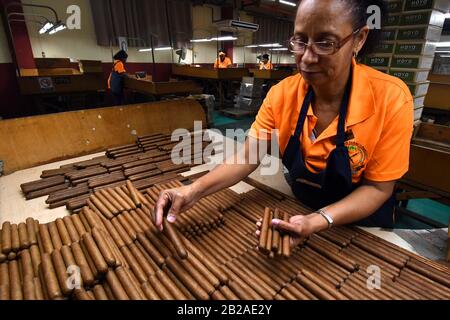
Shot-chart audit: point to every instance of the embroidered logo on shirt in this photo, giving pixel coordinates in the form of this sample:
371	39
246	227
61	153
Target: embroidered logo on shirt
358	156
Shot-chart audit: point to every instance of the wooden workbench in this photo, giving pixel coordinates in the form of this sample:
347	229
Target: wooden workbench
233	74
147	86
271	74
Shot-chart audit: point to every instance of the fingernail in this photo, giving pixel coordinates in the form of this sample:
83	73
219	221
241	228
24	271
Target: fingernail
275	222
171	218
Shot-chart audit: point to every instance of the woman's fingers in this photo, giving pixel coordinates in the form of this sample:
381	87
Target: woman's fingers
175	208
161	204
294	229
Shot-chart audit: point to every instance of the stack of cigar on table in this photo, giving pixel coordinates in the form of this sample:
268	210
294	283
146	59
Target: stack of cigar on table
146	162
209	252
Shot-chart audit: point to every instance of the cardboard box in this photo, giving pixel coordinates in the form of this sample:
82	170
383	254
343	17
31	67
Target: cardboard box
413	5
415	48
394	6
393	20
385	48
419	88
412	62
388	34
430	17
419	102
418	113
424	32
410	75
378	60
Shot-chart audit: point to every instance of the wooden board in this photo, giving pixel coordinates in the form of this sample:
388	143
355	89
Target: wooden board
271	74
438	96
207	73
52	63
62	84
31	141
429	166
147	86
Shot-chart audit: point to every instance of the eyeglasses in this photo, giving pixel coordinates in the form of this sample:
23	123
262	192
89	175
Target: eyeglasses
321	48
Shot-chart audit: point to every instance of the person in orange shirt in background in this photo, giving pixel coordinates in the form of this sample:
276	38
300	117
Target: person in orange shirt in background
222	62
116	78
265	63
344	129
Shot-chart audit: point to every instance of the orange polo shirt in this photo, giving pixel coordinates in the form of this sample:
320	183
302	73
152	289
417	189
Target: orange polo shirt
222	65
379	124
119	67
266	66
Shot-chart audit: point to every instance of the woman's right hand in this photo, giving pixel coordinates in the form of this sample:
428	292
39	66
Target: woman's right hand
173	202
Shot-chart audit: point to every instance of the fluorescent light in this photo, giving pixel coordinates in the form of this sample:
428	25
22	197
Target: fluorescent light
156	49
252	46
226	38
46	27
270	45
292	4
57	28
443	44
279	49
201	40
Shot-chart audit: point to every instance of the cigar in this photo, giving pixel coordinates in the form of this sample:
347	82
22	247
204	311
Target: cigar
23	236
49	276
149	291
127	284
35	259
276	239
133	194
86	272
47	245
14	281
100	293
173	287
54	235
95	203
30	231
29	292
264	231
150	249
135	265
95	253
172	234
116	286
119	208
39	293
6	238
26	263
68	230
286	239
61	272
104	247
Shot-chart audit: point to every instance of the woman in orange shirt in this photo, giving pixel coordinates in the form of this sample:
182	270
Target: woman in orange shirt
116	78
265	63
344	128
222	62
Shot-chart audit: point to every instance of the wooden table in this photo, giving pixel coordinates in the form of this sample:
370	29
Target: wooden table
271	74
147	86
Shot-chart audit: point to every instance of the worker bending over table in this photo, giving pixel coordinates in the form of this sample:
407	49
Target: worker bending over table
222	62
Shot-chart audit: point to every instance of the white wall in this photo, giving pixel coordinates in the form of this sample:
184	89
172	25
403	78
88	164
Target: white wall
5	56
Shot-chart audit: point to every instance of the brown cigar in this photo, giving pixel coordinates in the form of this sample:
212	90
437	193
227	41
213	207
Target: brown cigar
286	239
95	254
6	237
264	231
172	234
133	194
23	236
30	231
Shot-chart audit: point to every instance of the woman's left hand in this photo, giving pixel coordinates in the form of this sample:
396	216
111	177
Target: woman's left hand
299	228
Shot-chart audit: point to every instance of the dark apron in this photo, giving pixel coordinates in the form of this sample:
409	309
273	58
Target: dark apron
318	190
117	81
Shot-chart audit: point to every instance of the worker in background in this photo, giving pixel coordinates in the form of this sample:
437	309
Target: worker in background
223	62
265	63
343	128
117	78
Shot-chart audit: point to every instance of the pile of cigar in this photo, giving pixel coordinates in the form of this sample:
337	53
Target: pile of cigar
147	162
271	242
210	252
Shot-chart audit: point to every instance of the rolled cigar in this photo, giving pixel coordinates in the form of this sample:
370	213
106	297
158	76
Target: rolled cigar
323	284
206	273
125	205
112	200
314	288
69	260
68	222
197	276
35	259
100	293
264	231
82	295
30	231
276	239
127	226
101	207
86	272
269	234
63	233
14	281
172	234
173	285
103	247
286	239
105	201
49	275
149	291
121	231
159	287
38	292
125	197
54	235
79	227
133	194
6	237
4	292
187	279
23	236
135	265
116	287
127	284
29	292
150	249
45	237
26	263
95	253
89	260
61	272
84	221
